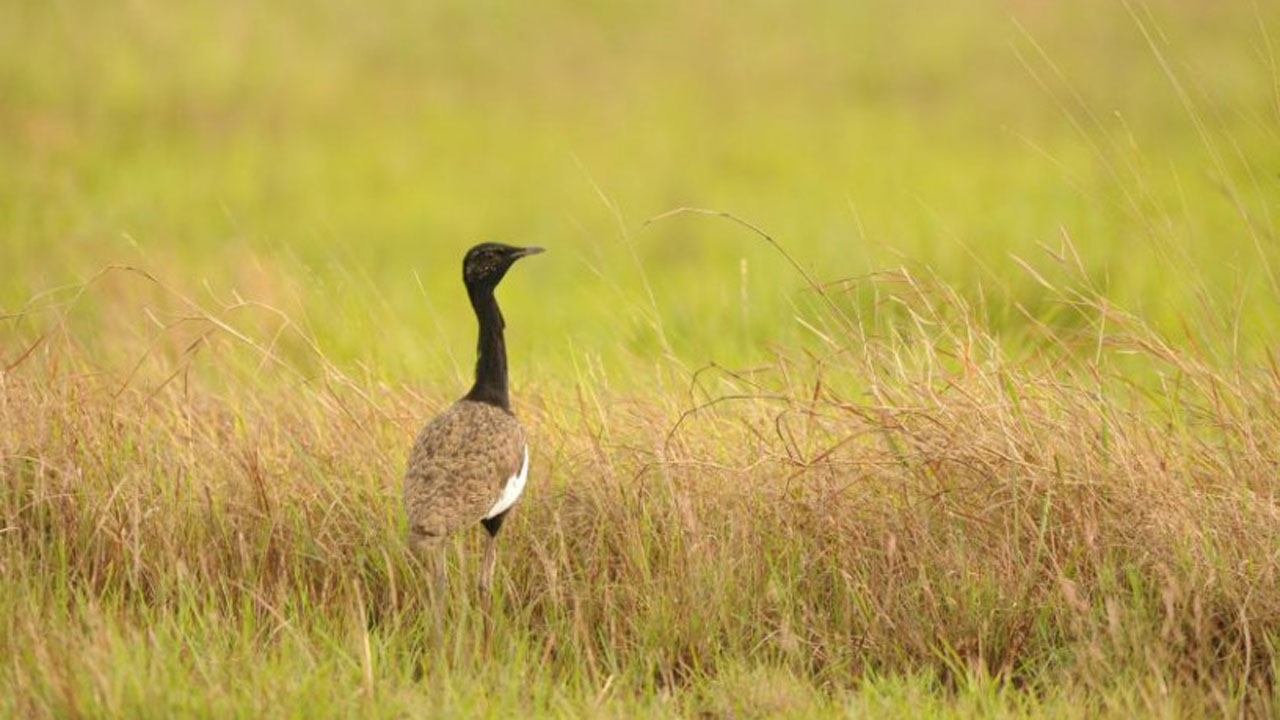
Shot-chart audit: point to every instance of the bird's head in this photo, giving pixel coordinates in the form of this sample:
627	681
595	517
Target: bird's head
486	263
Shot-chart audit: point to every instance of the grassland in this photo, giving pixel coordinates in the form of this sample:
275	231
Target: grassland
962	402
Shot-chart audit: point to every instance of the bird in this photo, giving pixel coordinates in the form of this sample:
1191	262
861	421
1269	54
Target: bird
471	462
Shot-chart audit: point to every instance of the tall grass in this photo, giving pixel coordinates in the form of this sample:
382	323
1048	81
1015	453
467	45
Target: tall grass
1048	532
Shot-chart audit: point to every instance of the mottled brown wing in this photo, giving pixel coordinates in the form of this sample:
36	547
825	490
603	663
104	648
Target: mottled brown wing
458	467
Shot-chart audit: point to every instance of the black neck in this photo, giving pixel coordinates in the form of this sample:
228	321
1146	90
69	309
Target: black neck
491	353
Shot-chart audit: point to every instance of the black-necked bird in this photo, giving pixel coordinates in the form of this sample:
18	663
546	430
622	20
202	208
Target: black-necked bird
470	463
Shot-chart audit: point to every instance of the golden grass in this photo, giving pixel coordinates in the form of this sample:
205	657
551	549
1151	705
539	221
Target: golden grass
907	498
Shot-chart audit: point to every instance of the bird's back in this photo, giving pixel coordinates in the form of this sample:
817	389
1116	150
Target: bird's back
458	468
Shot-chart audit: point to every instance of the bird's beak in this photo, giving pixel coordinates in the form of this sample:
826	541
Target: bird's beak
522	252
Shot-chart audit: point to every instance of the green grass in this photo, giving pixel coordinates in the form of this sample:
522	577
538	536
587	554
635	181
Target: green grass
984	426
328	160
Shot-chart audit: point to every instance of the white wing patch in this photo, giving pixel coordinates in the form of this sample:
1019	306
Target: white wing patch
511	491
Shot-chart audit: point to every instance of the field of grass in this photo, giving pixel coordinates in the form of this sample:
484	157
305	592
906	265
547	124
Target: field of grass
888	360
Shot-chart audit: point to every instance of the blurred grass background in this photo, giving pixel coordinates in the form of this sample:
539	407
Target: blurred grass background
334	159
